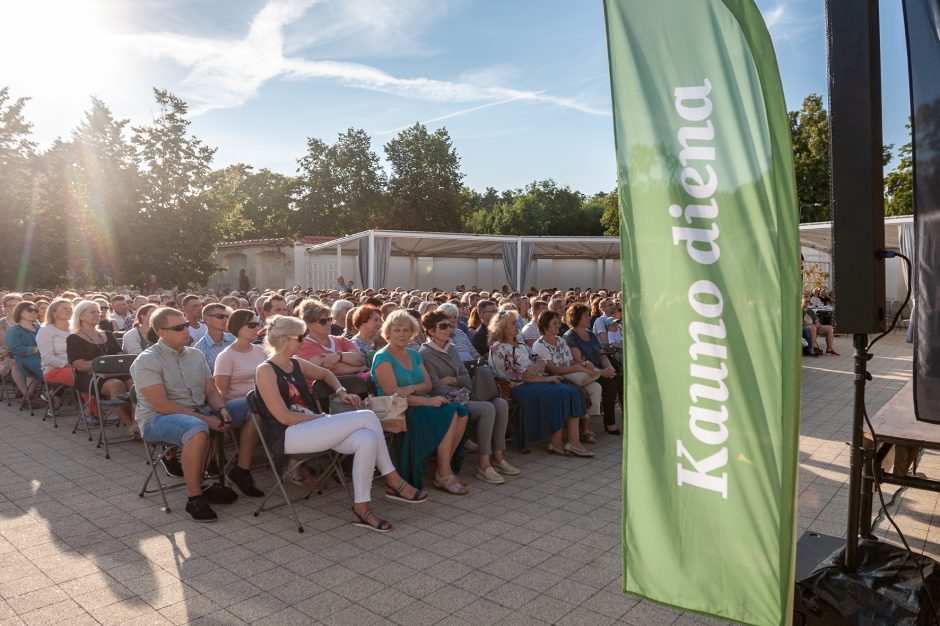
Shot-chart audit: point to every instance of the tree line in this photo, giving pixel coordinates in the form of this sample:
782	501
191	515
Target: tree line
114	203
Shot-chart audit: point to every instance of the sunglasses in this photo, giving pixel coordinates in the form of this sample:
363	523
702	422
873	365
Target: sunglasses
444	326
176	328
218	316
253	325
323	321
300	338
31	309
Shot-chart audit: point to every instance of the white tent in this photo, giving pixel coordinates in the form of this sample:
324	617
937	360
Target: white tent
389	258
384	258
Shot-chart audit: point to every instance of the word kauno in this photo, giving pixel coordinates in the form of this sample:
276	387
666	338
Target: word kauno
708	412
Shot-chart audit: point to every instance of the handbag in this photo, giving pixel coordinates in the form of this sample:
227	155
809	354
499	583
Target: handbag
460	395
484	384
581	378
391	412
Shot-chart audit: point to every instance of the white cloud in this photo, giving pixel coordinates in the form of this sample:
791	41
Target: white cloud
784	21
225	73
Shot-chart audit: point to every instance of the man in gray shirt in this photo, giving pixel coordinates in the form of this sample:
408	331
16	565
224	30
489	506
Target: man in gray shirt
179	403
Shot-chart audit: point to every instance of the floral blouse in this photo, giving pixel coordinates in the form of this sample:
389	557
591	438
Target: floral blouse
509	362
560	353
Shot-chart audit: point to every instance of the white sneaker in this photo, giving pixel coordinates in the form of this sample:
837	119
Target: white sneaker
507	468
491	476
471	446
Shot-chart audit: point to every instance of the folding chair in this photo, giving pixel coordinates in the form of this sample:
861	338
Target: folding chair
154	451
105	368
334	460
52	391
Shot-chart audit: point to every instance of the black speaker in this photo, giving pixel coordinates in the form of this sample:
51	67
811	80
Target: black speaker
857	172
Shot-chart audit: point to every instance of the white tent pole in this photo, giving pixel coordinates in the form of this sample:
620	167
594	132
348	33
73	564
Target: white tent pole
519	264
371	259
339	263
603	273
412	273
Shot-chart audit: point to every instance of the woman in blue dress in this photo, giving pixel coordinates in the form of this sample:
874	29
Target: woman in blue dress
434	424
21	342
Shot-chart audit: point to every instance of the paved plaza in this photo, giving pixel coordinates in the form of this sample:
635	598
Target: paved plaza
77	545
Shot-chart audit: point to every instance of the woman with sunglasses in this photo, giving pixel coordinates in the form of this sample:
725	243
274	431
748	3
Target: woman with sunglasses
337	354
290	414
450	378
236	364
21	341
88	342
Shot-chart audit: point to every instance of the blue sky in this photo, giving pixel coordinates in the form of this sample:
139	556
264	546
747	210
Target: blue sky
521	85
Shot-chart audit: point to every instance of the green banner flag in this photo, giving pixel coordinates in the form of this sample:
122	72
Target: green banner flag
711	279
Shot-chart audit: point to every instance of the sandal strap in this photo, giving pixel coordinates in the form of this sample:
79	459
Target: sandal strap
382	525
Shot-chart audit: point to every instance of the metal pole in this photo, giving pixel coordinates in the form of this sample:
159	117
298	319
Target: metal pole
856	460
371	270
519	265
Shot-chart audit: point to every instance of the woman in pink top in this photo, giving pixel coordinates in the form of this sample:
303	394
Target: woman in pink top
235	366
337	354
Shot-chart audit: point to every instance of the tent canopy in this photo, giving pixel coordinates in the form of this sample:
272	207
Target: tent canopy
460	245
818	235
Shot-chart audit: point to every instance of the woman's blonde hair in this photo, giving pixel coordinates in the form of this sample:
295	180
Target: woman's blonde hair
280	327
500	324
78	310
400	317
53	307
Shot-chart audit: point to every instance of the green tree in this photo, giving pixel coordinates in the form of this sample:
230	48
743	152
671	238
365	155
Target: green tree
899	183
610	218
180	228
542	208
809	133
340	189
17	153
425	185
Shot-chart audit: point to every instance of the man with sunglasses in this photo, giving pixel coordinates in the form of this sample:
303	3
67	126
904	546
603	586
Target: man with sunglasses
178	403
215	316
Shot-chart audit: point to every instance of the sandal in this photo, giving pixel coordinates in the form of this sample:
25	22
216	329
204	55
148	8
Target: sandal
396	494
450	484
362	521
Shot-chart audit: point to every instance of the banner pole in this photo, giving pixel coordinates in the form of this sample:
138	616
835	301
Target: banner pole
856	460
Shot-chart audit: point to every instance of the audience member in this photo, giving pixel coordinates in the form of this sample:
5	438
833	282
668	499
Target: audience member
121	319
289	411
215	316
545	406
192	309
178	403
87	342
138	338
52	340
585	346
811	322
20	340
434	423
450	378
337	354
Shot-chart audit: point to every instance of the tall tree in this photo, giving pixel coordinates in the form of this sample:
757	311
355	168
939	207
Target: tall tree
899	183
180	229
610	218
340	189
809	133
542	208
425	186
17	151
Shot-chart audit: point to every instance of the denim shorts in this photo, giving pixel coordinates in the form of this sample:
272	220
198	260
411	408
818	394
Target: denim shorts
179	428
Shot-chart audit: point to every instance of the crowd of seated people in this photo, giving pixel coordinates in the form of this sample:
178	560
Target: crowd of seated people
198	355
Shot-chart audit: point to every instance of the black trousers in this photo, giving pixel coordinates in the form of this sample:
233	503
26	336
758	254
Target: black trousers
611	390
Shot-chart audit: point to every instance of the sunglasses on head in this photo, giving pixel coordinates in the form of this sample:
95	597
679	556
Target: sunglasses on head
218	316
175	329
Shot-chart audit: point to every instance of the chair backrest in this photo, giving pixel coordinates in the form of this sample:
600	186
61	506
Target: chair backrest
112	365
119	334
